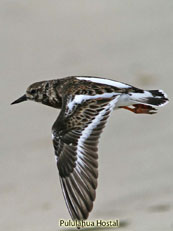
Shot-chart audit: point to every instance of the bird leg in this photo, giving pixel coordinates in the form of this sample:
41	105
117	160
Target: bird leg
141	109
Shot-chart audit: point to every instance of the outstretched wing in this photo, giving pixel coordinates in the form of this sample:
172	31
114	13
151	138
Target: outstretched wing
75	137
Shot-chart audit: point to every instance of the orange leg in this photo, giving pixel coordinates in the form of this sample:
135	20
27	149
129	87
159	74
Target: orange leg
141	109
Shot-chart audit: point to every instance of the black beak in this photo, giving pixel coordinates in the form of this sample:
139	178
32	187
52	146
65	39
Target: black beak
21	99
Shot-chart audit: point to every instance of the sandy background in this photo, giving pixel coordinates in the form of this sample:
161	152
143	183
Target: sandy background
130	41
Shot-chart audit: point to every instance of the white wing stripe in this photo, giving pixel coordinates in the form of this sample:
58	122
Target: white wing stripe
88	130
105	81
78	99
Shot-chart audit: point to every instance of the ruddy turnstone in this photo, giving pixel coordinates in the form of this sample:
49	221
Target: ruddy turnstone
86	104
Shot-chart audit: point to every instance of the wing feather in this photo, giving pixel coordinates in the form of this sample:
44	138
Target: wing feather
76	151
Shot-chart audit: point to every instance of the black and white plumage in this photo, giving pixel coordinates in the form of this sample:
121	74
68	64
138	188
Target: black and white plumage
76	152
86	104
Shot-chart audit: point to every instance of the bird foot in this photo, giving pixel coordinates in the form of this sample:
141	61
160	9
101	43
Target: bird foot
141	109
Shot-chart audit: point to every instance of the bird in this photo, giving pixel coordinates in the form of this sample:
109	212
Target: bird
86	103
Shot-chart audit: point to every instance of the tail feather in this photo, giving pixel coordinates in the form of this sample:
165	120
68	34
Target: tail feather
155	98
159	98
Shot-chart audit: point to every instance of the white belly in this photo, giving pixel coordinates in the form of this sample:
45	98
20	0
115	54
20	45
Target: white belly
124	100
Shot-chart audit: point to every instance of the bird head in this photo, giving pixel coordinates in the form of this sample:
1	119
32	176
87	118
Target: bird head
43	92
36	92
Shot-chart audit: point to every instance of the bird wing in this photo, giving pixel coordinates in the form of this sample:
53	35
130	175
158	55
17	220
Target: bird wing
75	138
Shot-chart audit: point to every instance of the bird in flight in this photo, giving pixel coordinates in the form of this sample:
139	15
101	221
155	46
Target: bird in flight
86	103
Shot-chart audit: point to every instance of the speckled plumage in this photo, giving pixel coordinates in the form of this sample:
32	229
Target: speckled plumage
86	103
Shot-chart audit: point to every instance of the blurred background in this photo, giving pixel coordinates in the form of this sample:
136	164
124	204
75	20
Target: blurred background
130	41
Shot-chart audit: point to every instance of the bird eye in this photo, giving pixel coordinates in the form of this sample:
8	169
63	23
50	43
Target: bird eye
33	91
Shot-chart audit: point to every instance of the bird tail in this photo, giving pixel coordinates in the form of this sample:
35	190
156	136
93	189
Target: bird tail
149	101
156	98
